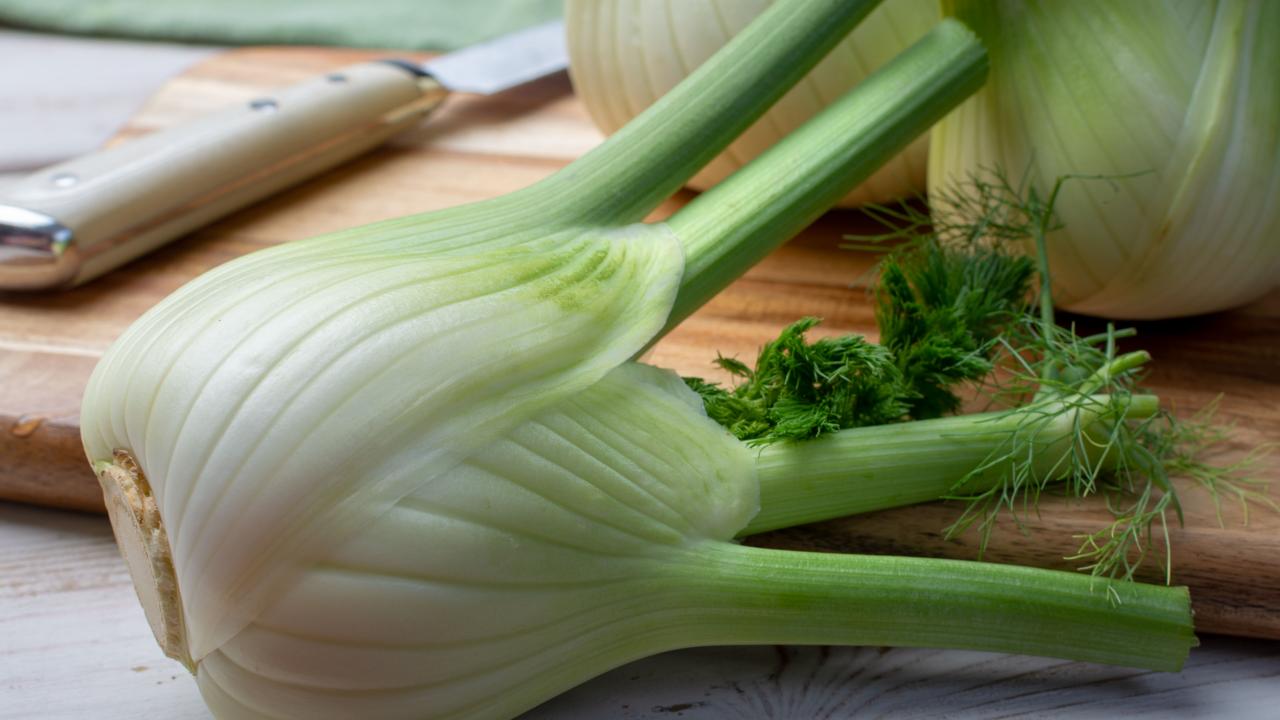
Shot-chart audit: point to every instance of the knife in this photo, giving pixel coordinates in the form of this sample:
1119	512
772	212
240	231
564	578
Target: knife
74	221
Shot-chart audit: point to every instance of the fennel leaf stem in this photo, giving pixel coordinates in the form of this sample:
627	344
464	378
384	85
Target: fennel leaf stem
626	177
759	595
734	225
883	466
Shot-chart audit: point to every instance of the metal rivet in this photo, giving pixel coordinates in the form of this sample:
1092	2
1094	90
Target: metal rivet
336	78
267	105
64	179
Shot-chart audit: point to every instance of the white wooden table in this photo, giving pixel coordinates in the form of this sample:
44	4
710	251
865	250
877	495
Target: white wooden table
74	644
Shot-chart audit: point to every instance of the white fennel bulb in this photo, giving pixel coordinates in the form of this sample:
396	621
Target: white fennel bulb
570	544
625	54
349	373
1176	102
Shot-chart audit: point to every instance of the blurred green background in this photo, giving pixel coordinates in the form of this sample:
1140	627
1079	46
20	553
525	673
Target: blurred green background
396	24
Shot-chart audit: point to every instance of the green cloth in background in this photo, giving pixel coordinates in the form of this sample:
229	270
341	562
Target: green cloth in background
391	24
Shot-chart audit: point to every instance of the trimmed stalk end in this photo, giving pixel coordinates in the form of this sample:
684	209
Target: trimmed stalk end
140	534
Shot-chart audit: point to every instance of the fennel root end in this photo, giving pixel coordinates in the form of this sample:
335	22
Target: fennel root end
140	535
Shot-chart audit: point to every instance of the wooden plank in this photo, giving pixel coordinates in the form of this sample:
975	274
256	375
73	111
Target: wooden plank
475	148
41	457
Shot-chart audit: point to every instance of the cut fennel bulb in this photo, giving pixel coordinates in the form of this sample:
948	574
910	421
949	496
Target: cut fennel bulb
625	54
410	469
1175	103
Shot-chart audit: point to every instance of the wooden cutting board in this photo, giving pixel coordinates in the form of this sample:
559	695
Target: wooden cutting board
476	148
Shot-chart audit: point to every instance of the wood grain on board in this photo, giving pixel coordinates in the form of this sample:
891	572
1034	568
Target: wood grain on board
475	148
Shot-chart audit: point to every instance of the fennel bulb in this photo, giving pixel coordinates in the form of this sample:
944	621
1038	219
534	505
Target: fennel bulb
625	54
410	470
1175	102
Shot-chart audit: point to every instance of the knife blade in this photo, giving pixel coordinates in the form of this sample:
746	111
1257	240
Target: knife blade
69	223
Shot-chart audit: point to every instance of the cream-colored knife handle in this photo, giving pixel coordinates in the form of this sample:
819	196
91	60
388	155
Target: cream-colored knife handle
72	222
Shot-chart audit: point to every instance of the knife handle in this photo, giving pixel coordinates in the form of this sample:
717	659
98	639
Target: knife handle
71	222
